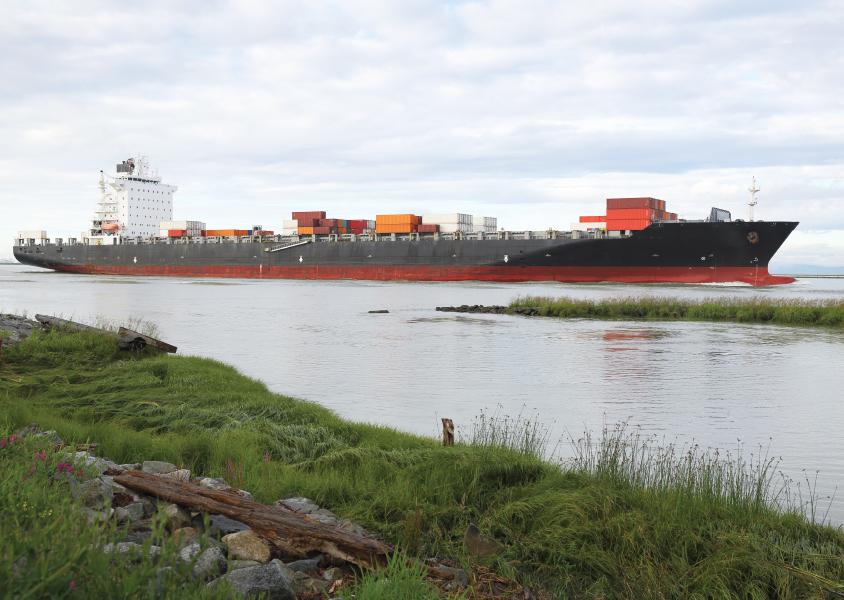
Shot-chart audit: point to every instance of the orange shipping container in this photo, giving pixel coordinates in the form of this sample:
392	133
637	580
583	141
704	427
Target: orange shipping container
395	227
635	203
306	231
593	219
227	232
404	219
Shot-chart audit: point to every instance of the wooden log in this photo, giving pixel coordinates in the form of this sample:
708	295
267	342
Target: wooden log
136	338
291	533
448	432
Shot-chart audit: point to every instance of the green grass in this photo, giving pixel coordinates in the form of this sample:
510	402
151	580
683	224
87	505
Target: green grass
399	580
757	310
48	550
617	522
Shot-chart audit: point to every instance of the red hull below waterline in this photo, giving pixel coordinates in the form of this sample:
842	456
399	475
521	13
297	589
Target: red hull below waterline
757	276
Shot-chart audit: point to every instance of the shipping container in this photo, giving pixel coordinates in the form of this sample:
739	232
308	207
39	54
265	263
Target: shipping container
358	223
447	219
428	228
395	227
593	219
627	224
327	223
290	224
589	226
312	214
631	213
265	232
176	232
227	232
635	203
672	216
401	219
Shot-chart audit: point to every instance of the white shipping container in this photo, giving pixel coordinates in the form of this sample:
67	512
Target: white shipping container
447	219
32	234
289	231
588	226
289	224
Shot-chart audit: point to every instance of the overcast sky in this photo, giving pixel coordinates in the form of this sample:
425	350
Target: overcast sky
531	111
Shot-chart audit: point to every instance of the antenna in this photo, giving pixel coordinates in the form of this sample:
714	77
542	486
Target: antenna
752	203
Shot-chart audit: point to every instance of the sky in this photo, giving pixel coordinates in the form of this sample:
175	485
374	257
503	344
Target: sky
532	111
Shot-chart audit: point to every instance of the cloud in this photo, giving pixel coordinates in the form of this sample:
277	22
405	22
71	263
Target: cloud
535	110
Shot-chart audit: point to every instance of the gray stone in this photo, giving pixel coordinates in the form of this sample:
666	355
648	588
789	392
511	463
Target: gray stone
182	475
94	493
332	574
210	563
116	487
306	564
97	516
130	467
272	579
213	483
306	586
242	564
130	548
184	536
157	467
165	578
175	516
299	504
244	493
458	576
129	513
100	465
50	436
247	545
189	552
219	525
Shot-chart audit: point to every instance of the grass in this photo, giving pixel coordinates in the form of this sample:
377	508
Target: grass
758	310
49	550
617	522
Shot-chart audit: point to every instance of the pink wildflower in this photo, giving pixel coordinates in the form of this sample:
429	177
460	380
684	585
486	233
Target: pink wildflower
40	455
72	584
13	438
64	467
3	443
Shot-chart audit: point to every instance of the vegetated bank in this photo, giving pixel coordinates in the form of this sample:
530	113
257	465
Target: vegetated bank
621	520
756	310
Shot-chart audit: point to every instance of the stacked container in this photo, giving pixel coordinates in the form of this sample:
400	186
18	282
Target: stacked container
633	214
190	228
449	222
403	223
227	232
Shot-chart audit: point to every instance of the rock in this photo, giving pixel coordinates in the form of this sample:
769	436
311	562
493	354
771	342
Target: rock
130	548
165	578
308	587
458	576
244	493
177	475
97	516
219	525
116	488
332	574
175	516
100	465
214	483
273	580
130	513
184	536
157	467
299	504
129	467
210	563
479	545
242	564
306	564
246	545
351	527
94	493
50	436
190	551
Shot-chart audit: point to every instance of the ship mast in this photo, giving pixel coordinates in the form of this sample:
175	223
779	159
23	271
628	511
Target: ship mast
752	202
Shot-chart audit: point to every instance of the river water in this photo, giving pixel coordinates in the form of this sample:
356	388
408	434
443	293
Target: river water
718	385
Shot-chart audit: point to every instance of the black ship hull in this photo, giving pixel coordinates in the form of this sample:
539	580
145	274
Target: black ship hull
688	252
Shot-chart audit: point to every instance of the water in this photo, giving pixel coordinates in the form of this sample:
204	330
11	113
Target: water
719	385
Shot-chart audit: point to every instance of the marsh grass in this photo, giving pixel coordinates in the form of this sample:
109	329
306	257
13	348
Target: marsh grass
603	527
822	313
522	433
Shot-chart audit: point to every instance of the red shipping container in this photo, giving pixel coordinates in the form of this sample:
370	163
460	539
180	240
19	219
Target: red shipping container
627	224
660	205
633	203
308	222
327	223
265	232
356	230
593	219
631	213
177	232
672	216
357	223
308	214
428	228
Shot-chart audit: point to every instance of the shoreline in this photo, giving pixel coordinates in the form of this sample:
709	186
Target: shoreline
567	527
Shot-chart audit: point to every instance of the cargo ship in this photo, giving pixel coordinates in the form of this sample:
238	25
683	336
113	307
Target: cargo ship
635	241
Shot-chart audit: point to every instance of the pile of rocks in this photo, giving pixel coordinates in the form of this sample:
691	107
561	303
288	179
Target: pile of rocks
216	547
16	328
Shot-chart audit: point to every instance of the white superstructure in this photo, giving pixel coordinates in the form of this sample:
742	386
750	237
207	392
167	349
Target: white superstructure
133	203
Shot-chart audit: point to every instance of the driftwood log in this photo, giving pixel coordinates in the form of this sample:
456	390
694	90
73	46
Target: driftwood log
126	338
292	533
448	432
